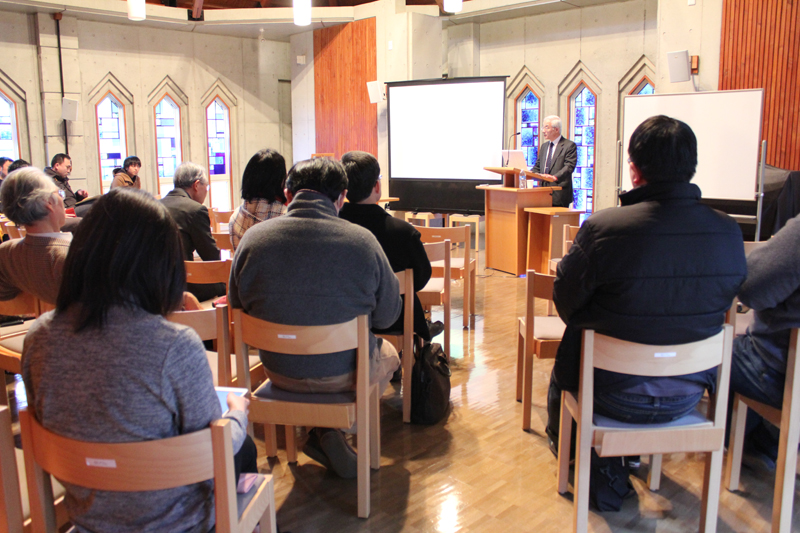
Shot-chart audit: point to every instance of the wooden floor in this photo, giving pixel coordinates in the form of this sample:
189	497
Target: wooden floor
478	471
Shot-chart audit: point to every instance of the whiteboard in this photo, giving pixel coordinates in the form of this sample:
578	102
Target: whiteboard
727	125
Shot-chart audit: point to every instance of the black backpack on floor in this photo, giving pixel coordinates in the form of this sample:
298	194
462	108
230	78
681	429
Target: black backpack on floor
430	385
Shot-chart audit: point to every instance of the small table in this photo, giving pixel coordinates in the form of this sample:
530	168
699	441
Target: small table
545	228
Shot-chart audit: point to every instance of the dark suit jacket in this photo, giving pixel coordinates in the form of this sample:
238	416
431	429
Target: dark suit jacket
195	226
565	157
402	245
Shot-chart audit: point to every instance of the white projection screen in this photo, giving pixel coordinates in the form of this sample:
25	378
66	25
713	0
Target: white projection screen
446	130
443	132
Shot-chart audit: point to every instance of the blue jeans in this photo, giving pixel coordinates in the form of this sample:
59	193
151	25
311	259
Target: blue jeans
754	379
632	408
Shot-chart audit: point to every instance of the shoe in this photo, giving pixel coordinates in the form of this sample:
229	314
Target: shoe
340	455
313	449
435	328
633	462
756	459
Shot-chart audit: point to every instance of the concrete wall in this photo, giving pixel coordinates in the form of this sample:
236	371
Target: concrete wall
140	58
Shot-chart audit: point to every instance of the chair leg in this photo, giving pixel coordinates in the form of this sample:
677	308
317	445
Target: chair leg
711	485
527	389
291	447
654	476
408	365
520	360
268	523
472	280
375	428
467	290
362	442
785	475
270	440
733	464
583	459
564	438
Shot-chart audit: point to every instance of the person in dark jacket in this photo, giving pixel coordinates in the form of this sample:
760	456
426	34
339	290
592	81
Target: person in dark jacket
400	241
662	269
60	168
185	204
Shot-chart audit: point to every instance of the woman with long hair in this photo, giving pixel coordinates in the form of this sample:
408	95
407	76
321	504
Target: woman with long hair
262	191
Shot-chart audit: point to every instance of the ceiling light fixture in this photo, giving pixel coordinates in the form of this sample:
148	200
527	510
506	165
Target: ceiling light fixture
450	6
136	10
302	12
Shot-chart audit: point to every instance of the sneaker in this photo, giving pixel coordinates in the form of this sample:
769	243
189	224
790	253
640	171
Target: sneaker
435	328
340	455
313	449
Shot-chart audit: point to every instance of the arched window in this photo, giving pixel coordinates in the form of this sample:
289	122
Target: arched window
218	128
644	87
9	133
111	137
169	152
528	125
582	109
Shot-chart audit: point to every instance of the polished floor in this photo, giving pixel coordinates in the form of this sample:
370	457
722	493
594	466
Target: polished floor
478	471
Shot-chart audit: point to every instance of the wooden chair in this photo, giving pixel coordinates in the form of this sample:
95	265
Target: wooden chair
405	340
462	267
143	466
12	337
469	219
270	405
327	154
695	432
203	272
223	240
437	290
536	335
12	230
568	237
425	217
787	420
214	324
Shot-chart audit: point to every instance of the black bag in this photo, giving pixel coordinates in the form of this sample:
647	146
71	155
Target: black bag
608	483
430	385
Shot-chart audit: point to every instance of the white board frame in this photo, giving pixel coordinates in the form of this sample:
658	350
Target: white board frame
728	127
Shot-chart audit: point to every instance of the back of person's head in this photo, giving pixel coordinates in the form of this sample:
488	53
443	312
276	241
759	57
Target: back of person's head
322	175
25	194
58	159
664	149
264	177
131	161
126	252
187	173
4	160
19	163
363	172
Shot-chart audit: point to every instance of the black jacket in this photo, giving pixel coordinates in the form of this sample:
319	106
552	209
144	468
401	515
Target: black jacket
70	199
402	245
662	269
565	157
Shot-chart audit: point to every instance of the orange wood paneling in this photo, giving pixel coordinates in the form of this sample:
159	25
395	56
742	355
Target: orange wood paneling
760	49
344	61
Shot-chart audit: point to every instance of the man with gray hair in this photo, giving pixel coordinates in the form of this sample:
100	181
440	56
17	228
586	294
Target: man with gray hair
185	204
33	264
557	159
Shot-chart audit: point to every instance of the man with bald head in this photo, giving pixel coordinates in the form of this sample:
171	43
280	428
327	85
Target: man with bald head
557	159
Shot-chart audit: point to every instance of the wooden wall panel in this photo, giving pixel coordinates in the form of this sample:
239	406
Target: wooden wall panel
761	49
344	61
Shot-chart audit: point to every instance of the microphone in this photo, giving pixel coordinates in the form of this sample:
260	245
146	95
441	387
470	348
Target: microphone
509	147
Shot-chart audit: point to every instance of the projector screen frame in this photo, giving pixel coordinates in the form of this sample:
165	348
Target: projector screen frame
446	195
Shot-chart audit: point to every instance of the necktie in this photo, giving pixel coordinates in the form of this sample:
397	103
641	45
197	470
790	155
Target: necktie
549	159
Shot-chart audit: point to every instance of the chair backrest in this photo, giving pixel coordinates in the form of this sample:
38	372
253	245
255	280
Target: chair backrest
12	230
211	324
223	240
536	286
318	155
223	217
127	467
23	304
208	271
11	519
440	251
455	234
570	232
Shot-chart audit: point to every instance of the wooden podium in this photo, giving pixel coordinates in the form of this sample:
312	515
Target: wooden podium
507	223
511	175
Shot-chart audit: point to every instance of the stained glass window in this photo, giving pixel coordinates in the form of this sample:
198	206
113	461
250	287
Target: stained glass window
583	106
644	87
218	127
111	138
528	125
9	145
168	142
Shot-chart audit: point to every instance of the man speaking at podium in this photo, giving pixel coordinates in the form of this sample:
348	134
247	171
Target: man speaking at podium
557	159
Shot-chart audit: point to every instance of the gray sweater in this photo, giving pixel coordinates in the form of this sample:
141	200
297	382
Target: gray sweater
772	289
138	378
309	267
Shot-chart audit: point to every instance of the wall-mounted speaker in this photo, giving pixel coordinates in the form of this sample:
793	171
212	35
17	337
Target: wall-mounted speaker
679	66
375	90
69	109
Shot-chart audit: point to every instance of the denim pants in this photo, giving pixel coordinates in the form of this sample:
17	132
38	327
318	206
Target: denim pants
632	408
754	379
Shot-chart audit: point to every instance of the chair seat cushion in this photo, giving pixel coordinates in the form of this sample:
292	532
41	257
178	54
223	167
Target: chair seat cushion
548	328
695	419
214	364
58	488
270	392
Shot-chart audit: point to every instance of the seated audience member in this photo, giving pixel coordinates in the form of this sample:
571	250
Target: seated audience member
758	368
157	384
34	263
662	269
128	175
60	168
185	204
5	163
309	267
19	163
400	241
262	192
